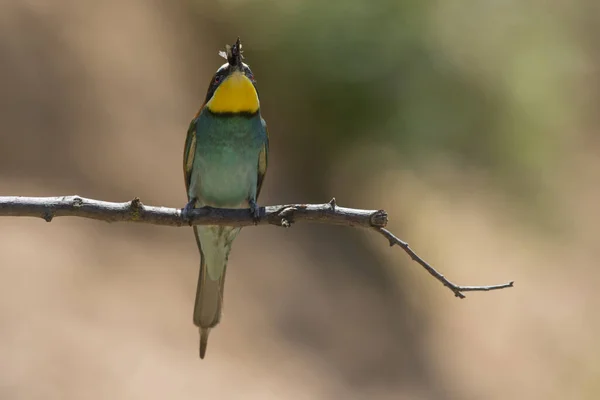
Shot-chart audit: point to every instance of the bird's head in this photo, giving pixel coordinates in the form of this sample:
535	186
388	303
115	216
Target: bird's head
232	89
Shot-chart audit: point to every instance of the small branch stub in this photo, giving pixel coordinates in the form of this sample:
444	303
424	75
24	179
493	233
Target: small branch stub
287	215
332	203
379	219
282	215
137	208
48	216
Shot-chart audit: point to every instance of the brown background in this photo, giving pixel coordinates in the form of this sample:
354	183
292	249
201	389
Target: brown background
474	124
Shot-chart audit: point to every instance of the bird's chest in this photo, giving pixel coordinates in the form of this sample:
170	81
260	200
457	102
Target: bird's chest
225	171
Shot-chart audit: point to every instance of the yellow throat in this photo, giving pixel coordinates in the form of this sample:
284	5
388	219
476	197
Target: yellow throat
235	95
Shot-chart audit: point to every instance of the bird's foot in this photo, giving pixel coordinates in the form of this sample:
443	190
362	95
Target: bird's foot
185	211
254	210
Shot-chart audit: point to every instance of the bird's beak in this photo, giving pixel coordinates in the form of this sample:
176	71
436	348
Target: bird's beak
234	55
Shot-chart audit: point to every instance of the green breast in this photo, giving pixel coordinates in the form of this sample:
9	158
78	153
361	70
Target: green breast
225	168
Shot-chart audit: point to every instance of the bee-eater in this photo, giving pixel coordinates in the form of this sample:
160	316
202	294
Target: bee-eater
224	163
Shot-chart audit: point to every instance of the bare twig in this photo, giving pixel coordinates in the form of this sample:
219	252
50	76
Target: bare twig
457	289
281	215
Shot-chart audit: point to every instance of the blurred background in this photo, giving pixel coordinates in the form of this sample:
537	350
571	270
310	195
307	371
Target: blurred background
474	124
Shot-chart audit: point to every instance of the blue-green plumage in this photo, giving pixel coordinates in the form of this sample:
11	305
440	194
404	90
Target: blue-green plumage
225	174
225	160
225	167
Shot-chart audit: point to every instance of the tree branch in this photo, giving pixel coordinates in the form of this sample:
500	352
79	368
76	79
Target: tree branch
281	215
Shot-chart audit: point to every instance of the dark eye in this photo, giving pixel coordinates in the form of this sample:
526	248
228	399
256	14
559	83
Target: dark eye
250	75
217	79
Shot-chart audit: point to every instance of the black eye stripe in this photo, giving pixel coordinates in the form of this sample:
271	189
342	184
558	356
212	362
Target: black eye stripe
219	77
249	74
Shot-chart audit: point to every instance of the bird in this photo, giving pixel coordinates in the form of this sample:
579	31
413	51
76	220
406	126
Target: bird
224	163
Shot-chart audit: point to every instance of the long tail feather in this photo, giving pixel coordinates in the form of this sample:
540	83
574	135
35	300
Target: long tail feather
209	304
203	341
209	294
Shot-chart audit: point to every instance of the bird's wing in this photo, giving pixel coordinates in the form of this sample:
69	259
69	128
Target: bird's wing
188	153
263	159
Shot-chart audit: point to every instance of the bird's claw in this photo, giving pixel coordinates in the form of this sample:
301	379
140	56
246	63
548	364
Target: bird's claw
186	211
254	210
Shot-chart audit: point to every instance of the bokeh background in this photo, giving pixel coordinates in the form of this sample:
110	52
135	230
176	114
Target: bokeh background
473	123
